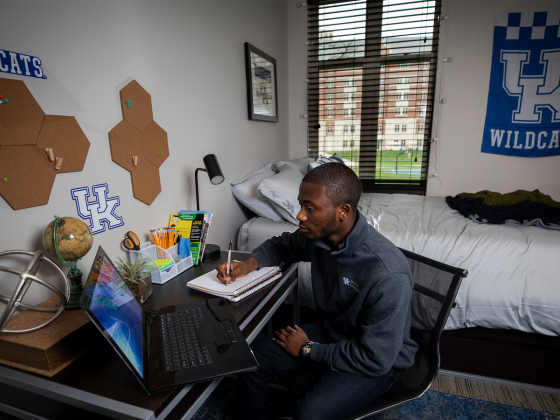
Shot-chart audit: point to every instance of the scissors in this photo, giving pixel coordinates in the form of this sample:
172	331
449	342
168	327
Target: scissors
131	242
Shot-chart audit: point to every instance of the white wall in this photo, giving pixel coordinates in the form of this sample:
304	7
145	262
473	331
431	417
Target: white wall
190	57
461	165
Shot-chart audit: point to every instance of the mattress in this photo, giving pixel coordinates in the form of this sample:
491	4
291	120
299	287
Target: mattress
514	272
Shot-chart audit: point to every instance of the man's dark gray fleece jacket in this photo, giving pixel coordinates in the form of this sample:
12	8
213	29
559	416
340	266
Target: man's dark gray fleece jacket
362	293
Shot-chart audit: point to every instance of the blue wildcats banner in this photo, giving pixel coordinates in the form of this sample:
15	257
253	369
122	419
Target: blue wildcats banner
523	113
22	64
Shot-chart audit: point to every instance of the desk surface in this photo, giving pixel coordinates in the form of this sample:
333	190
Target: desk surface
99	382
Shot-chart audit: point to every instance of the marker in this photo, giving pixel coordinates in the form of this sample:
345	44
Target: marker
229	258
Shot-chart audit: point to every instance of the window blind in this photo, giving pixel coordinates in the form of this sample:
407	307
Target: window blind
372	66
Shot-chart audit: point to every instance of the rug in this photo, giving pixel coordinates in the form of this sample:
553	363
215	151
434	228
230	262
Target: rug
432	406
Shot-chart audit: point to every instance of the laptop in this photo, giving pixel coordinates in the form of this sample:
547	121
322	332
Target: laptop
166	347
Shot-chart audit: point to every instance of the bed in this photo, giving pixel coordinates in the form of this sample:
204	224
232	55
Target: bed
513	280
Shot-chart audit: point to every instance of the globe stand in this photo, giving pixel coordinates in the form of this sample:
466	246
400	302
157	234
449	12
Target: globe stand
74	274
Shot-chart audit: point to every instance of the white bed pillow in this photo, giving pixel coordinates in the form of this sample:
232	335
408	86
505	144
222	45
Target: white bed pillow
246	191
282	190
299	164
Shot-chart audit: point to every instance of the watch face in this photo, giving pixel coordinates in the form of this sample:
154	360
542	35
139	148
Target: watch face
306	349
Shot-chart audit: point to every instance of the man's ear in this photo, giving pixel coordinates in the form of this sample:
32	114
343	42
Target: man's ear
344	211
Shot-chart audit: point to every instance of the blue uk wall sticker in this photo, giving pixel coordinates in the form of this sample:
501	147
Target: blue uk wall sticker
523	113
22	64
100	213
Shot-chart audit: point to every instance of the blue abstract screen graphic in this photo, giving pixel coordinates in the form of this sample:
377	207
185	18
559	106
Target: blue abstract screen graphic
523	112
116	309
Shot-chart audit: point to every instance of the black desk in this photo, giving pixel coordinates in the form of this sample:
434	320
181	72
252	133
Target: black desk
99	386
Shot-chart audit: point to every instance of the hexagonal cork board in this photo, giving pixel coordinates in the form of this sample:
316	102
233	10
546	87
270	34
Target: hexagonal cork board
67	140
26	177
136	105
146	184
21	116
139	135
26	172
154	139
126	142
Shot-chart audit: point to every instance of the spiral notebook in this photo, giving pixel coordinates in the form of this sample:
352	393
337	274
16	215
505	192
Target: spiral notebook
240	288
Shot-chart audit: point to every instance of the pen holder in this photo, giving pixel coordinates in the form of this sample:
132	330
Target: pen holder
153	253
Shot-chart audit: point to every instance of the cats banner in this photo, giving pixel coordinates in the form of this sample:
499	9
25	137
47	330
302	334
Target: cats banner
523	112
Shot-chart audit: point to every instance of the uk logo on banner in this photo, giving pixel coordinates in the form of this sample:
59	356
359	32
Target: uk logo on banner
523	113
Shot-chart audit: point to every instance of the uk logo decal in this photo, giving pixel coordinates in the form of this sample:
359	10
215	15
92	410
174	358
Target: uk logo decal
99	211
523	112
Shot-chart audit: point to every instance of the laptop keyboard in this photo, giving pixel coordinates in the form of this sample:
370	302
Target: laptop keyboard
183	343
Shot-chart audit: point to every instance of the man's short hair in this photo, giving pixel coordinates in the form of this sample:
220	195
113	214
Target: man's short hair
341	183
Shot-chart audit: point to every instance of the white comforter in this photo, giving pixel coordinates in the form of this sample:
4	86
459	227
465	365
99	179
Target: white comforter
514	272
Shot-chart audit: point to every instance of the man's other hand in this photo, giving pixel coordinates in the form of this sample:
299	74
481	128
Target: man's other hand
237	270
291	339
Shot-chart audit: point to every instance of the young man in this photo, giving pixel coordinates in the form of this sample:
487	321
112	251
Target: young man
362	288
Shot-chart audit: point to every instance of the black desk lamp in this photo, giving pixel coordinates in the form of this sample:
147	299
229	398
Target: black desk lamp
216	177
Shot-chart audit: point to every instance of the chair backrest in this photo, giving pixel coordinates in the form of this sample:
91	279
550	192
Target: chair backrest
435	289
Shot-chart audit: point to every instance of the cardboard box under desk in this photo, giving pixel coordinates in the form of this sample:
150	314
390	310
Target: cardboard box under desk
50	349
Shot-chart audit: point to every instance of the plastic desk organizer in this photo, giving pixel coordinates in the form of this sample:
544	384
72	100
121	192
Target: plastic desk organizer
154	252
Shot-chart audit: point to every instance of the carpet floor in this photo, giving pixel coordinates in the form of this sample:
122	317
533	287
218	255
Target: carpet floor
434	405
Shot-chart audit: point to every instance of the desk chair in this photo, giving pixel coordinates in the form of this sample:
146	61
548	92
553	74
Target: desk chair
436	286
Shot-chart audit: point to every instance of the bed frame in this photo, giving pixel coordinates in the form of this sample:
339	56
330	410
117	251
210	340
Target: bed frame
508	355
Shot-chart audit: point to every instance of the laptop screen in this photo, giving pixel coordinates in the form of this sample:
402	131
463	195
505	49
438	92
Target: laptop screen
118	314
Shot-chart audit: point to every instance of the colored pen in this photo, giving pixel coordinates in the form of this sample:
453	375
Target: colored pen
229	257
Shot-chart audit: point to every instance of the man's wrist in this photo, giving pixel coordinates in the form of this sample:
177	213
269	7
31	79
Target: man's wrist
305	350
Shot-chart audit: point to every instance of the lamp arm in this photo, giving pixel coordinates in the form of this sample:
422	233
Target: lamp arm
196	183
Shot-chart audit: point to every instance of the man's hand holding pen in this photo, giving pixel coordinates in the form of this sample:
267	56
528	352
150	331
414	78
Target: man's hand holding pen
237	270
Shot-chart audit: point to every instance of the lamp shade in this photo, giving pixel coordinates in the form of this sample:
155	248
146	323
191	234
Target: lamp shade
213	168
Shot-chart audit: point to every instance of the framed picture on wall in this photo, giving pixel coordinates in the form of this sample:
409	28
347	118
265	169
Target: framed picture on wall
262	94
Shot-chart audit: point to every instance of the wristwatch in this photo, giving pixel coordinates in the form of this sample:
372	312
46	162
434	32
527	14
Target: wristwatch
305	350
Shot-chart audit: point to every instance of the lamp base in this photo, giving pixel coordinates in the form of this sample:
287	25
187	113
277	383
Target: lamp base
211	251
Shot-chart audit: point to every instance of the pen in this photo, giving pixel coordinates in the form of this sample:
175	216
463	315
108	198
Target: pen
229	257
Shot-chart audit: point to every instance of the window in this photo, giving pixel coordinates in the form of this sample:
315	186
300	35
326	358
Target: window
419	143
422	95
399	96
329	129
345	129
345	143
397	128
351	143
420	128
425	66
403	143
372	39
404	128
330	97
329	112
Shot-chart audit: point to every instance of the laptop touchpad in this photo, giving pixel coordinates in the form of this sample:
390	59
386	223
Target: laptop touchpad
221	337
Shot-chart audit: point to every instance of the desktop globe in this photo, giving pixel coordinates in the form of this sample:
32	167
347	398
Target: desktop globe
69	239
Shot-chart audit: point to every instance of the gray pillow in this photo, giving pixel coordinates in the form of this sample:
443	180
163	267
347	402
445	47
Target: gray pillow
299	164
245	191
282	190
